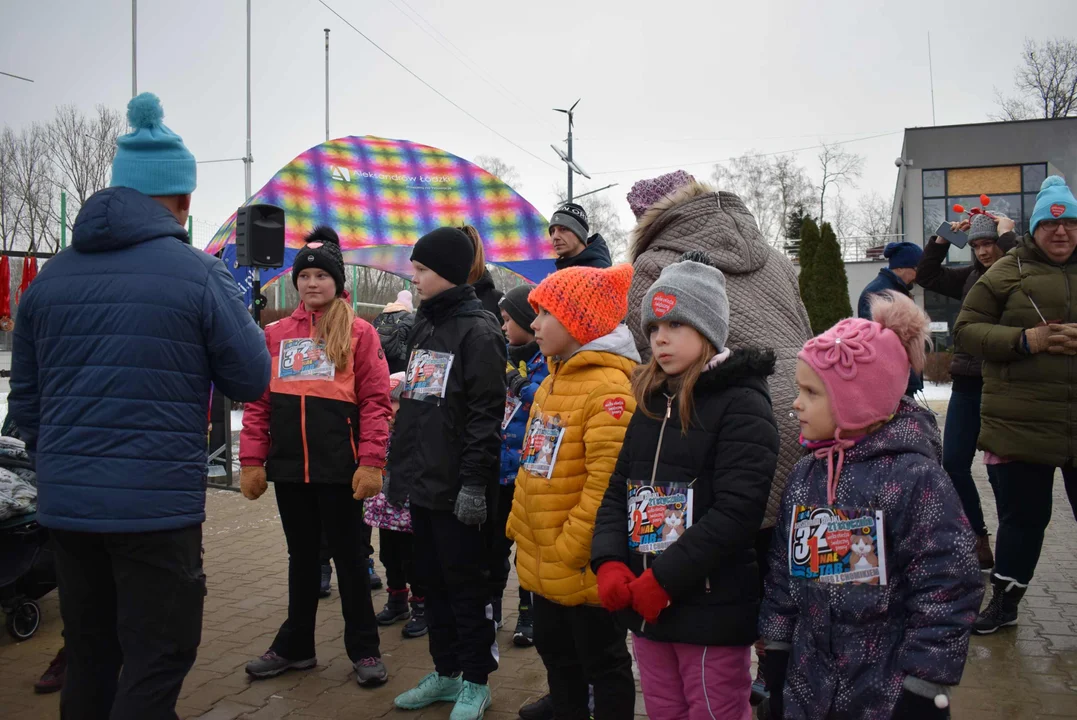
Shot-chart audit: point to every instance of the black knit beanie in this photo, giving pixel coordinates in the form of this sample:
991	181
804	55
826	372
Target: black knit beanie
322	251
518	308
447	251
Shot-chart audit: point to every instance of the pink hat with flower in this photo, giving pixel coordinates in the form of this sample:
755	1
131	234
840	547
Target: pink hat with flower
864	364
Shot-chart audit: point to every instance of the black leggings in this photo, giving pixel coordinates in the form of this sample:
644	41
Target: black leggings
397	550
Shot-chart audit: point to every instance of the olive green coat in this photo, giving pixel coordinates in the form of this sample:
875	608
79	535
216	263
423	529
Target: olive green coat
1029	409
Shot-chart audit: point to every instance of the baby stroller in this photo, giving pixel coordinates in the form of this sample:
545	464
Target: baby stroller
27	573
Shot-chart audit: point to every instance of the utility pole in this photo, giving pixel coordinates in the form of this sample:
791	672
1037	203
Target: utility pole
567	158
248	159
327	84
134	48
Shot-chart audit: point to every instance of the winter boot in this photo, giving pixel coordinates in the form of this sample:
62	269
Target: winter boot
541	709
416	627
1001	611
375	581
271	664
524	636
495	604
327	577
983	552
53	678
370	672
396	609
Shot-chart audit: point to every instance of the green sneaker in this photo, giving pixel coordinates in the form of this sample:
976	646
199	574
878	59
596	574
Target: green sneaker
472	703
431	689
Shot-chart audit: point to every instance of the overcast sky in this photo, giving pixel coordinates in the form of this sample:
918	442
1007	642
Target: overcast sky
674	84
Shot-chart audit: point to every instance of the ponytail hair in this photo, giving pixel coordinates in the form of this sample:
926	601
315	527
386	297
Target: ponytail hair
907	320
334	328
478	264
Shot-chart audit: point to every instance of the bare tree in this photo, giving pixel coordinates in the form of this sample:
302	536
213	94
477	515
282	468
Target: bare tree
500	169
751	178
839	168
841	220
11	201
34	186
1045	83
603	219
82	148
793	187
871	217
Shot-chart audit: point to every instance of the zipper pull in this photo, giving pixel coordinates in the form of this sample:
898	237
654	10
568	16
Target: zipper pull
669	405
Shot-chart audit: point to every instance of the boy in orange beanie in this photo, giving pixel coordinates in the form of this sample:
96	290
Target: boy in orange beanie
575	431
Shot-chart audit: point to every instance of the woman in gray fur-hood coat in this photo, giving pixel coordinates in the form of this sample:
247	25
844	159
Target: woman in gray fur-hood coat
765	310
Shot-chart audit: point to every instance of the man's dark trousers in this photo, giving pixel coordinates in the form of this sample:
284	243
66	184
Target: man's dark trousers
132	610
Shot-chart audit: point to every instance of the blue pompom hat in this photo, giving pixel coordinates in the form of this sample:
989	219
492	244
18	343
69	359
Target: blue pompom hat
151	158
902	254
1054	201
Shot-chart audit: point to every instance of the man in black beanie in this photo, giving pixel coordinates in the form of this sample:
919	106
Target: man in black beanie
569	230
445	457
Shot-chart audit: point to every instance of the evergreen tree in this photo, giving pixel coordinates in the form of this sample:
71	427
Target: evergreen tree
793	223
809	245
827	284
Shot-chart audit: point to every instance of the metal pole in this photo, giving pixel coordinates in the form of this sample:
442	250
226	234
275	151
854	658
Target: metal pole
355	288
63	220
570	156
190	230
248	160
327	84
931	74
134	48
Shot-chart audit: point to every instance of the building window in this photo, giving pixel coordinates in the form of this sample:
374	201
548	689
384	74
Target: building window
934	215
934	183
1032	176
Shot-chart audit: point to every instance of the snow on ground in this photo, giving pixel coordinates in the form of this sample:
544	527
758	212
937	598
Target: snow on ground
937	391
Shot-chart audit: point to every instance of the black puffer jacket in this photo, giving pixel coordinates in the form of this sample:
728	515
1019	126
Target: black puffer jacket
955	282
596	254
441	444
394	326
488	295
727	459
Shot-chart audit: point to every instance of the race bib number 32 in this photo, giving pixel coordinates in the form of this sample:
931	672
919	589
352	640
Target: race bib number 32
304	359
837	545
657	516
428	375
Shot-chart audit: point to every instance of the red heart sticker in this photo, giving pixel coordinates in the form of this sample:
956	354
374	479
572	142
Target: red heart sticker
662	303
615	407
839	541
1057	209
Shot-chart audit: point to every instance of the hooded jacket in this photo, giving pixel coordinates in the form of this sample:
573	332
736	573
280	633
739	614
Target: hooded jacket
489	295
886	281
1029	409
854	644
553	519
955	282
765	309
442	443
319	431
726	460
394	325
116	344
596	254
529	360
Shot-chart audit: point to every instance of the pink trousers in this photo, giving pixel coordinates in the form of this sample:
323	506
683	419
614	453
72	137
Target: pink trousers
694	682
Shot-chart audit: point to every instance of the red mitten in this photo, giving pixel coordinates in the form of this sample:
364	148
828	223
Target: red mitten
648	597
613	580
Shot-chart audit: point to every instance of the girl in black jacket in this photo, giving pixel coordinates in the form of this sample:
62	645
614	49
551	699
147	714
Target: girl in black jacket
674	537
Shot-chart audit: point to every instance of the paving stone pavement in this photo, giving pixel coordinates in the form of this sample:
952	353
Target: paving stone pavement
1026	672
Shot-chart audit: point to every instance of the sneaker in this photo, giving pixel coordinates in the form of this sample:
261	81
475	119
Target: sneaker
431	689
759	690
271	665
375	581
53	678
396	609
327	577
370	672
495	604
524	635
541	709
983	552
416	627
472	702
1001	611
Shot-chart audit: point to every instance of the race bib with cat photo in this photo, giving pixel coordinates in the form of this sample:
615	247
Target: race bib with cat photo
837	545
657	515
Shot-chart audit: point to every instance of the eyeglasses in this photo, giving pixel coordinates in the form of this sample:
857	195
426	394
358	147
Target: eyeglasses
1052	225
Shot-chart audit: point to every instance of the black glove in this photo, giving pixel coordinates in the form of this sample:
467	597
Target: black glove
774	670
911	706
515	381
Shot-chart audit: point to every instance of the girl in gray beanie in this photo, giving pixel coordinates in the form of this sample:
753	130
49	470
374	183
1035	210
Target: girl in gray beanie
673	539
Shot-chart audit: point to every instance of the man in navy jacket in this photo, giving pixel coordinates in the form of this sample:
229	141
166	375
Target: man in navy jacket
116	344
899	276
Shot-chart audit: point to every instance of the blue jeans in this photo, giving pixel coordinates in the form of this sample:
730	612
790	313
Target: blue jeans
959	446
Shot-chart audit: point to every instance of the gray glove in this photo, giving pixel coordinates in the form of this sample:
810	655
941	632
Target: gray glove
471	505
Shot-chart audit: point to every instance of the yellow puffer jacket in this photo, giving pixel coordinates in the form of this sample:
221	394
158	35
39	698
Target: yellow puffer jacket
553	520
